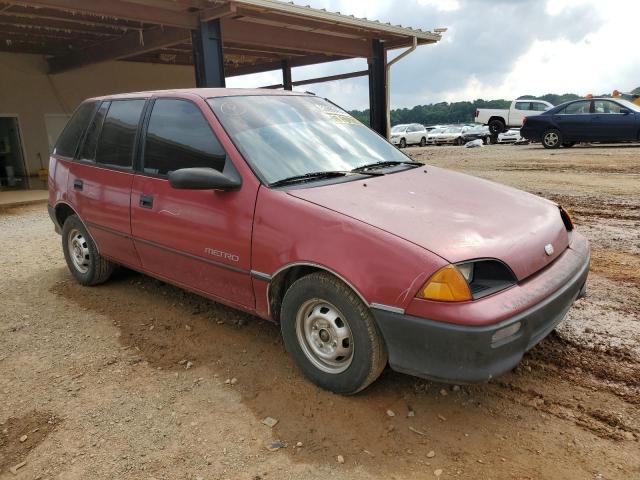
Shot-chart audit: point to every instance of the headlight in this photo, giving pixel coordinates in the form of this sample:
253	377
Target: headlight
467	281
566	219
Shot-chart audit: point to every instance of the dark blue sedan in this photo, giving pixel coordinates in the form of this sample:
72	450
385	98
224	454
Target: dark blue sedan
591	120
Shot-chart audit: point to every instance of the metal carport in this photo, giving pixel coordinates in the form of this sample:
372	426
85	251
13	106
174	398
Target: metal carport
221	38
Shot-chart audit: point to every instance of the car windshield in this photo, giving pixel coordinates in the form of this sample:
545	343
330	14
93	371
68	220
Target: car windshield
437	130
283	136
454	130
398	129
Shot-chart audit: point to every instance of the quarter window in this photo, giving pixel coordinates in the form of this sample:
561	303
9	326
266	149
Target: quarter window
67	143
578	108
178	136
116	144
88	150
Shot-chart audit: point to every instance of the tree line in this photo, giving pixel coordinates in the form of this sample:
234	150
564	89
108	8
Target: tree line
458	112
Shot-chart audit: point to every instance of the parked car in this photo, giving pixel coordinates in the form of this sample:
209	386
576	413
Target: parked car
478	132
590	120
284	206
450	136
499	120
510	136
433	134
412	134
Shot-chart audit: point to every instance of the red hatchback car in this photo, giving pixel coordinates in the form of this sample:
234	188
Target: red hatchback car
283	205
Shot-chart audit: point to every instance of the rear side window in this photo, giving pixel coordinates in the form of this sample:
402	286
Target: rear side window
88	149
539	107
67	143
116	143
523	106
578	108
178	136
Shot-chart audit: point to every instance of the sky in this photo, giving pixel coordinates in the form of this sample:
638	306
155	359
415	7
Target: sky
492	49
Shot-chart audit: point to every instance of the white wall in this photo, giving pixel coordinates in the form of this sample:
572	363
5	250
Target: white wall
28	91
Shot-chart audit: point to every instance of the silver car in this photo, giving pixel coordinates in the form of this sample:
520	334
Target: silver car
409	134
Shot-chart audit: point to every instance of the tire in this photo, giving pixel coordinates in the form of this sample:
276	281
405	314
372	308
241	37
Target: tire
552	138
568	144
318	312
423	142
84	262
403	143
496	126
459	142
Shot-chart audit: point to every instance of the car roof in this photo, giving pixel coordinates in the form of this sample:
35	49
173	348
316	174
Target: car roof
201	92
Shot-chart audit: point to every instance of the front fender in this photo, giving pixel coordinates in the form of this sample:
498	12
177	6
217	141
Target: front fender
382	268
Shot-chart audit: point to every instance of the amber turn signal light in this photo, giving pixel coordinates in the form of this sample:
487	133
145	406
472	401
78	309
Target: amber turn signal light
446	285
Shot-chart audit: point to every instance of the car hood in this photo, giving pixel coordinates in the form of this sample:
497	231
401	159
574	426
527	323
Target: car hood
455	216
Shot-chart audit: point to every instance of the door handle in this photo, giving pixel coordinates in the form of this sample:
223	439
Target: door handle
146	201
78	184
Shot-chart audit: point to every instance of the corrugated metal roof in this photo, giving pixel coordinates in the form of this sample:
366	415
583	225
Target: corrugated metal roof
339	18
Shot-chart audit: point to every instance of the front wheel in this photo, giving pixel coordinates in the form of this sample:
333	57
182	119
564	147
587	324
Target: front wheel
403	143
84	262
552	138
423	142
331	334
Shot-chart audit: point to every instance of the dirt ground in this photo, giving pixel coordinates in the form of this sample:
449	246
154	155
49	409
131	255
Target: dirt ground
136	379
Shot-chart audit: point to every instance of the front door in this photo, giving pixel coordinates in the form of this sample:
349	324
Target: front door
200	239
100	179
609	124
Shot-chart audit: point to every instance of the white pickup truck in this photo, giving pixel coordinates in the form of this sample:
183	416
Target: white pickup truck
500	120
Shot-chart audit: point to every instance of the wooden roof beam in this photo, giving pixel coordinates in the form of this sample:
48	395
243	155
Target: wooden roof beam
119	9
252	34
133	43
126	46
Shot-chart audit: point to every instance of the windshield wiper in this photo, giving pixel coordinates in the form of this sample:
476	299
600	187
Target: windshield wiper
309	176
305	177
377	165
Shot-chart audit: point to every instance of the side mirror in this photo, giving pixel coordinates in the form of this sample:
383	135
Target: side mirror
204	179
625	111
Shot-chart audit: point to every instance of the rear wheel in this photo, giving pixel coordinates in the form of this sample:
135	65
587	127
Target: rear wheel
331	334
496	126
84	262
423	142
552	138
403	143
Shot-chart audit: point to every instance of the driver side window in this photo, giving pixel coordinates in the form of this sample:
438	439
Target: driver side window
179	136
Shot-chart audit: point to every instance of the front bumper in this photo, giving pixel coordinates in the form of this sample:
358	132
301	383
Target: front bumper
455	353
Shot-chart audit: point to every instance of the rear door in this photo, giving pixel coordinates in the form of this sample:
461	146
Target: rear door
517	114
200	239
100	180
575	121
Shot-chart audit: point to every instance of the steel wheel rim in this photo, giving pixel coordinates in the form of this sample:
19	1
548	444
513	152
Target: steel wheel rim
551	139
325	336
78	248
